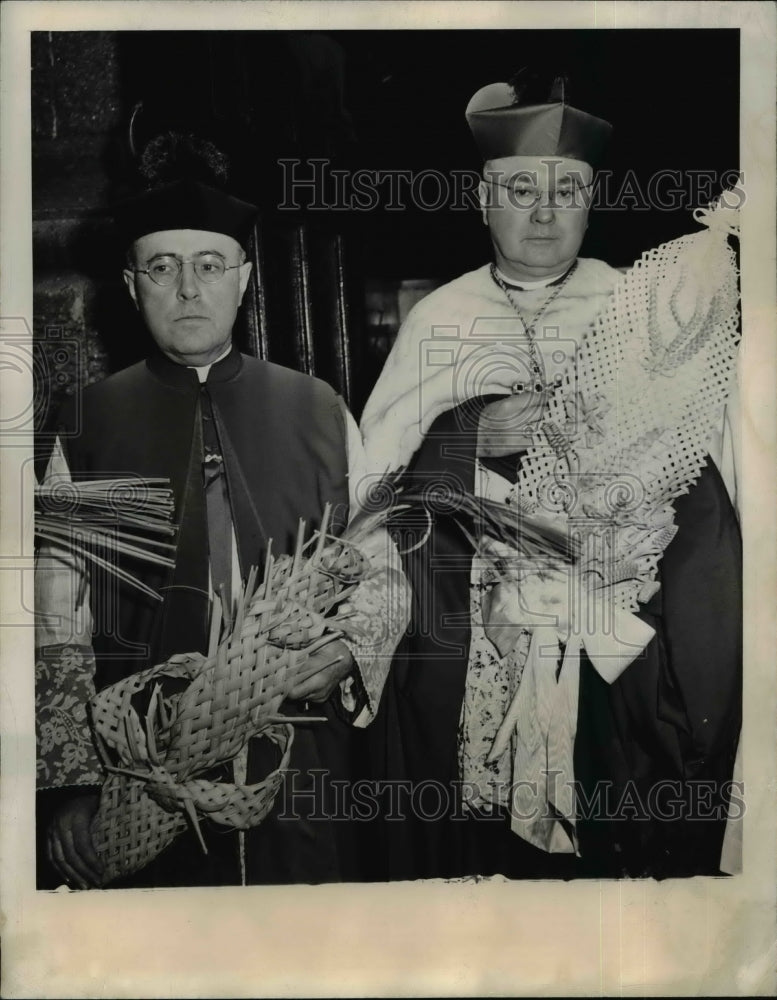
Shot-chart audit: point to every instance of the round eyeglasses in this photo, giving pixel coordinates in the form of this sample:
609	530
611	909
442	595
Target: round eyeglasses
166	270
522	195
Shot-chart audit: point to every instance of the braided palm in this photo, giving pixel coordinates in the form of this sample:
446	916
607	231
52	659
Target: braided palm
160	730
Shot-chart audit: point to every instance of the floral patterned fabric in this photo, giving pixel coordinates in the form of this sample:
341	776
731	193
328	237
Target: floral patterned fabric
378	613
63	687
490	686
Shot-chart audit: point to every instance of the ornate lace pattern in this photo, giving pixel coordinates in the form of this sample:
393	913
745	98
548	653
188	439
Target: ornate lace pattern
626	433
629	429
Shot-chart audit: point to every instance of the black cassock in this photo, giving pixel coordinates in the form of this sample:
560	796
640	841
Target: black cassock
657	746
283	440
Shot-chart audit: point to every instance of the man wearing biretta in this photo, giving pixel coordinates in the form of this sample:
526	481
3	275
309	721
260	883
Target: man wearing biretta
248	448
543	694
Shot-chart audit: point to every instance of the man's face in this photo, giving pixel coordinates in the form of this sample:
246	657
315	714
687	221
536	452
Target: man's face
191	319
535	209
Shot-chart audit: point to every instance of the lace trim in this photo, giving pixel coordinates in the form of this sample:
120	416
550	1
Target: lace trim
630	428
375	616
626	433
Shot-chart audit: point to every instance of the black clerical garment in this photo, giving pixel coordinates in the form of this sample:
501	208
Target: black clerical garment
282	437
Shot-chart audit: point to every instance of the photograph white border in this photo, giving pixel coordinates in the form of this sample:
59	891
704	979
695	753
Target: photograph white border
681	937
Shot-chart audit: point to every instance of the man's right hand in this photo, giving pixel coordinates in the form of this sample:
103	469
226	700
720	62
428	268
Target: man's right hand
509	425
69	843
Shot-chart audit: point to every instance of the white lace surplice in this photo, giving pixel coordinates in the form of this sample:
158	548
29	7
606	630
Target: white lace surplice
644	403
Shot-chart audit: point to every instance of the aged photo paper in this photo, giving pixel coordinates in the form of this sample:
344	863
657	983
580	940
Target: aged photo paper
490	937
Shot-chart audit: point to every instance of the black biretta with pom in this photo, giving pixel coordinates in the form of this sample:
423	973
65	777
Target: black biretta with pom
185	177
184	205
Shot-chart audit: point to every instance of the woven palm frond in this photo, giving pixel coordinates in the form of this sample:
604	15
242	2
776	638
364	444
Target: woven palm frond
162	730
103	520
527	532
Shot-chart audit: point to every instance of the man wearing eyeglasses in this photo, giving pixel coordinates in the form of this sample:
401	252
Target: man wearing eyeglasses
534	198
461	399
249	449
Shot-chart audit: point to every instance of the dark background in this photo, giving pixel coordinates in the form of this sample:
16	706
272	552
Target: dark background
373	100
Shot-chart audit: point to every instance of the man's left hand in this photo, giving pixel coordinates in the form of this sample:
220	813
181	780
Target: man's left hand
538	601
321	672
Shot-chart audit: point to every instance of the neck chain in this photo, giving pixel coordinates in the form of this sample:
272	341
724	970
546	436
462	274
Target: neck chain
537	367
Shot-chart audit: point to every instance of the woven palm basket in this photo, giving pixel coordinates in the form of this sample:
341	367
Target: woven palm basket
160	730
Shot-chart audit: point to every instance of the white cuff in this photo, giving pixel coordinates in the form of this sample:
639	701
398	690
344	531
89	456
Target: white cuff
612	649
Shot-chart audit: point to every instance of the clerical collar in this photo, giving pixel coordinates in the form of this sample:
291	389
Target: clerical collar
202	370
168	371
530	286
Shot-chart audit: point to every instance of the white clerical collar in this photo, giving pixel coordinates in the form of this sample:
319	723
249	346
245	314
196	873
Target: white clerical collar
202	370
527	286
